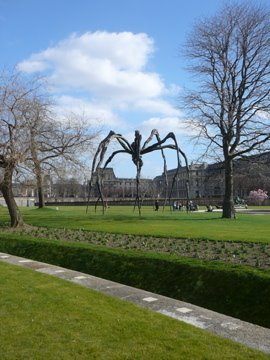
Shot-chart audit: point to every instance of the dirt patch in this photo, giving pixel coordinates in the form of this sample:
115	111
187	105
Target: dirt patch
251	254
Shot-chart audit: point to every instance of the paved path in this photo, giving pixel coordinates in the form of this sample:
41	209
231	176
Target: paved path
245	333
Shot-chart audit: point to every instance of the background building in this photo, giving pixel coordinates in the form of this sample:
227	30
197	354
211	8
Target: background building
114	187
206	183
207	180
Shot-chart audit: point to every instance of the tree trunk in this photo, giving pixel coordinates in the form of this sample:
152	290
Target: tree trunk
6	188
228	205
41	202
38	171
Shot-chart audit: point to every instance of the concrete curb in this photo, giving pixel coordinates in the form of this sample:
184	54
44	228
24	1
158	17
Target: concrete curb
237	330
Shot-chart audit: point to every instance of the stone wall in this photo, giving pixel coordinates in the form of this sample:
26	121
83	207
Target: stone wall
20	201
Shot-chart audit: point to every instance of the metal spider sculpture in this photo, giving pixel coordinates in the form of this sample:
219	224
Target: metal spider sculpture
136	150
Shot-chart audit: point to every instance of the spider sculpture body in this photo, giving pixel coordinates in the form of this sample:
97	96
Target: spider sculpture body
136	150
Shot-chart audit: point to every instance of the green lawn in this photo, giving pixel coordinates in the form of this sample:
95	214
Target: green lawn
43	317
247	227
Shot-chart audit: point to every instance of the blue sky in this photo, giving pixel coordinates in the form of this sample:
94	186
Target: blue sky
117	61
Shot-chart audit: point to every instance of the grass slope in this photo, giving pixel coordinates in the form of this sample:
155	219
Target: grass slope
231	289
247	227
47	318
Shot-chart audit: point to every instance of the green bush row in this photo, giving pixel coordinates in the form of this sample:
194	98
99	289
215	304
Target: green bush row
234	290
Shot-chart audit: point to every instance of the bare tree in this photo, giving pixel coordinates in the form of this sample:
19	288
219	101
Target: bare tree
30	135
54	143
16	94
36	122
229	54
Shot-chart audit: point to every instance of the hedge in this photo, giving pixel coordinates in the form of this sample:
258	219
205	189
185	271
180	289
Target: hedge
235	290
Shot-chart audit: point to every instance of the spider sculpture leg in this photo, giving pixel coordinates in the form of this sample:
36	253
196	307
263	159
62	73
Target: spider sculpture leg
137	160
155	133
138	199
97	170
136	151
160	145
98	158
179	151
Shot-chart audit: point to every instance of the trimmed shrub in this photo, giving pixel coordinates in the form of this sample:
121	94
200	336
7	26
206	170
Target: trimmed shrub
234	290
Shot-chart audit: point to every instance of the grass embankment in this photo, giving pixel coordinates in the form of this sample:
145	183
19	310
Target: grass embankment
247	227
251	254
47	318
234	290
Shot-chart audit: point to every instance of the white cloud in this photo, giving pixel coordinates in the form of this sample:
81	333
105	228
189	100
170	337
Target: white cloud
173	90
32	66
105	76
166	124
98	114
107	64
158	106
